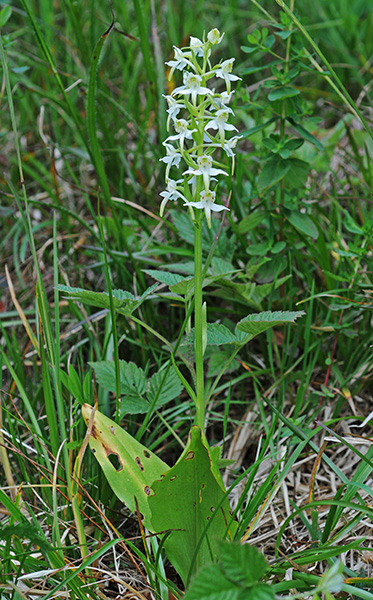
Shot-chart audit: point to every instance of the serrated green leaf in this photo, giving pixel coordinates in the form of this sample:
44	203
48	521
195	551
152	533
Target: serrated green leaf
164	276
132	467
169	387
124	302
303	223
254	324
132	377
217	335
211	584
242	563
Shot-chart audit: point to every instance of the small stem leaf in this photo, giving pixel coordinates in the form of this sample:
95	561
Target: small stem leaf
124	302
254	324
132	467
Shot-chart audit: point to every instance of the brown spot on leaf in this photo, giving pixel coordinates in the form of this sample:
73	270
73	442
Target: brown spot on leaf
139	463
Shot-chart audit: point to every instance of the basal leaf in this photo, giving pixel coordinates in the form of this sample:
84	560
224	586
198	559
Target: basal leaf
129	467
191	493
254	324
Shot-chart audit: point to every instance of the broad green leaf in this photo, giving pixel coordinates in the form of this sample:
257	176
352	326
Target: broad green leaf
282	92
132	467
217	335
303	223
242	563
124	302
171	387
5	14
275	168
254	324
211	584
183	501
297	174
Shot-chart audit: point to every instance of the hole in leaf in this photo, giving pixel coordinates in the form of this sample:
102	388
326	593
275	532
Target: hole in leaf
139	463
112	429
93	450
190	455
147	454
114	459
173	478
149	491
212	508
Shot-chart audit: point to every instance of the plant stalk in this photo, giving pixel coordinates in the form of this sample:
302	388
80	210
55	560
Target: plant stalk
198	323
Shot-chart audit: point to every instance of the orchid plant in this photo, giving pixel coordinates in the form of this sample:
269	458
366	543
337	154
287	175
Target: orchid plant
197	518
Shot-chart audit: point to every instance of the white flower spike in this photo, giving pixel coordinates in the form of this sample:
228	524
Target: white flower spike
195	110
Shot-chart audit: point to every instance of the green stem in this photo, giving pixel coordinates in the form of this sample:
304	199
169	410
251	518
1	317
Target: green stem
198	324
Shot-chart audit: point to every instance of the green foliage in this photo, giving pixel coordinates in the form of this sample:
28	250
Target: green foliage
237	576
129	467
125	303
197	514
140	394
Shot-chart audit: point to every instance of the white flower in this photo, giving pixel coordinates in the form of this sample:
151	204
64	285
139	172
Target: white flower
219	122
180	62
221	100
181	127
224	71
173	110
205	169
214	36
207	203
173	158
198	47
192	85
171	193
